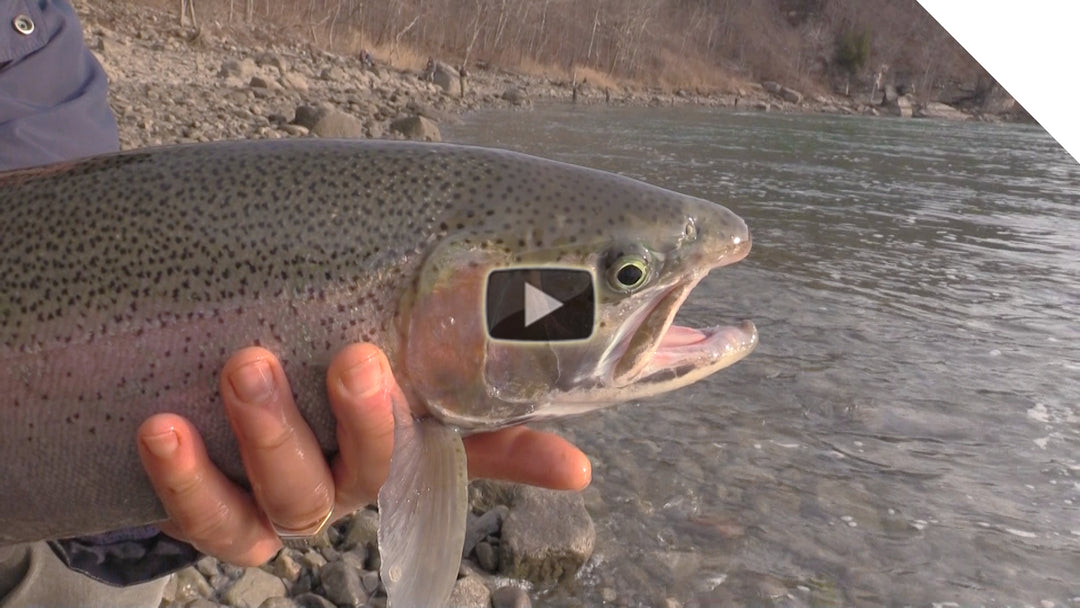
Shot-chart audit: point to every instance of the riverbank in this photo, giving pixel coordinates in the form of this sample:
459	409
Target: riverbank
175	84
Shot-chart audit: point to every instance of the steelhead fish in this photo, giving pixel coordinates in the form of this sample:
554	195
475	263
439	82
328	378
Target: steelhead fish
126	281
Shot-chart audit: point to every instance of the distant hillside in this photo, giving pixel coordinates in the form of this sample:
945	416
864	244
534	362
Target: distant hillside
820	46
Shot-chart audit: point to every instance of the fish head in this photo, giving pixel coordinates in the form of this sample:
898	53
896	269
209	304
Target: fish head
644	249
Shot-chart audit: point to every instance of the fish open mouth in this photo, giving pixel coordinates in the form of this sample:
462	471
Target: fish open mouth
660	355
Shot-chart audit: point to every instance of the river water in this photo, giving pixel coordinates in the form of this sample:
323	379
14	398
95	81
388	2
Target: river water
908	431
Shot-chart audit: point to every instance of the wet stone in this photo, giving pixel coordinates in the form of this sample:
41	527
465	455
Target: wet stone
510	597
341	584
303	584
330	553
286	566
486	557
480	527
374	559
370	581
470	592
546	537
219	582
279	602
313	560
253	588
311	600
188	584
355	558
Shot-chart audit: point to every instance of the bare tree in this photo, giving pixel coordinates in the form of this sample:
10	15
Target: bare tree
187	7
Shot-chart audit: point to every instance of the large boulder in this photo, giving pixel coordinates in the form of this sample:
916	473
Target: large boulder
891	93
790	95
417	127
444	77
901	106
295	81
263	82
335	124
306	115
240	69
904	105
772	87
516	96
546	537
268	58
935	109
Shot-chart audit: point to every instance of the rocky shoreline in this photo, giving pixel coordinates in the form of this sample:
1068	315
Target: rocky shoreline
176	84
517	538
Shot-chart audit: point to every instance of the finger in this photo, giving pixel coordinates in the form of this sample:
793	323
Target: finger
284	461
523	455
204	507
359	383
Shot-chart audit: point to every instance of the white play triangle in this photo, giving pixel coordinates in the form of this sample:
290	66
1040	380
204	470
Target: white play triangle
538	305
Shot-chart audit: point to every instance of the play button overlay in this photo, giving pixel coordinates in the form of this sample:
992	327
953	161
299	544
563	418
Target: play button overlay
540	304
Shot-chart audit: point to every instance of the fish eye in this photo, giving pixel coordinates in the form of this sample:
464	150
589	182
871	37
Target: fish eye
628	272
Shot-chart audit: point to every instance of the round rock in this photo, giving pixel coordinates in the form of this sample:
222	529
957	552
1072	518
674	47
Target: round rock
470	592
253	588
341	584
510	597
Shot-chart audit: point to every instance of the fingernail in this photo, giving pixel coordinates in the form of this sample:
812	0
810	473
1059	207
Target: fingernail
363	379
253	383
162	445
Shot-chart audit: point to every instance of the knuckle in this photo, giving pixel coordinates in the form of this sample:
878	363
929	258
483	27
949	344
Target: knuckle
210	525
271	441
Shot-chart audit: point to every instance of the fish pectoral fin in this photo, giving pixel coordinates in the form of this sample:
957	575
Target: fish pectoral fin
422	511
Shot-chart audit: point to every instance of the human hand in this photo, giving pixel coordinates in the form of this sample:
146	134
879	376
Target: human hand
292	483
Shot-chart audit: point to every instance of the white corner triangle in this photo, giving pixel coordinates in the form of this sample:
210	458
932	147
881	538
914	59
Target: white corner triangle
1026	48
538	304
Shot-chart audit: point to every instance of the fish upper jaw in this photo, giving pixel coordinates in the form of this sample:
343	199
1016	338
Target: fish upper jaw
653	355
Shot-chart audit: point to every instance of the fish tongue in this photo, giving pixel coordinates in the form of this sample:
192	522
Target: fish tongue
422	510
678	335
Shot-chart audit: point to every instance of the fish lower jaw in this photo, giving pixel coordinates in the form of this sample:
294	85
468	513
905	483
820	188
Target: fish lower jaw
687	355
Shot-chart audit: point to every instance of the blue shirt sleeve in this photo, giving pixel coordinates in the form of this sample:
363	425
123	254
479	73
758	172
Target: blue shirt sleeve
53	104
